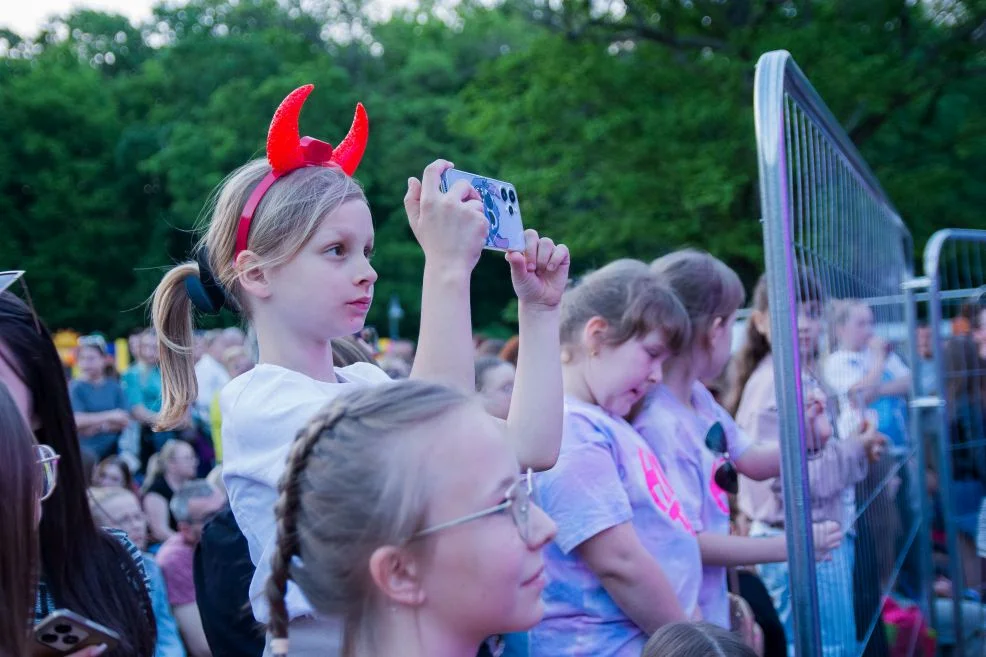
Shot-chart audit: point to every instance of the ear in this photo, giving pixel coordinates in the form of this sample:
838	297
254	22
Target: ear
397	574
252	276
594	334
760	321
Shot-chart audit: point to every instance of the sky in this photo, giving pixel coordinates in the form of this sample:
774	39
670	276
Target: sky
25	17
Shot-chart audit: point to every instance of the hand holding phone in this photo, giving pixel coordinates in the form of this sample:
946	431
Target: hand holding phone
449	227
500	207
67	634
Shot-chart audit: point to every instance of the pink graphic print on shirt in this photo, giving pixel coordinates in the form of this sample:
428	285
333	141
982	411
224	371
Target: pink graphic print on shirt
660	489
718	494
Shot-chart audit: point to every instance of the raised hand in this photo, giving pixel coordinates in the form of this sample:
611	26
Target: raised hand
540	272
450	227
827	536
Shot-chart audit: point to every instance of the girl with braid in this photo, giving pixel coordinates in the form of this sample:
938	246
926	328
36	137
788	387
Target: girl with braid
414	557
289	247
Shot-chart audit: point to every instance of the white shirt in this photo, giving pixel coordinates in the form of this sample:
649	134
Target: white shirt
262	411
211	377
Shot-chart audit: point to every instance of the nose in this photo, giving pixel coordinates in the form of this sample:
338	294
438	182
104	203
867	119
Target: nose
367	274
542	528
656	374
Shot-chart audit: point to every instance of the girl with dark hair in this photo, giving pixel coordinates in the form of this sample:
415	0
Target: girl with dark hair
82	568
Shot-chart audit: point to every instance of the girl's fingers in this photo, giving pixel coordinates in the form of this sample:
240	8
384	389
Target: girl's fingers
431	180
544	249
559	257
531	248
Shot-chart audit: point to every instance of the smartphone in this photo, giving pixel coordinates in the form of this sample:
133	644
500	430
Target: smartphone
64	632
500	205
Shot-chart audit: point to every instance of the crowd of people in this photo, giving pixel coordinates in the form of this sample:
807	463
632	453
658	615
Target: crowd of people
605	483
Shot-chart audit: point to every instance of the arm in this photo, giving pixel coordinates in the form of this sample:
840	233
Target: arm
144	416
898	387
190	624
632	577
451	230
720	550
761	461
534	424
157	517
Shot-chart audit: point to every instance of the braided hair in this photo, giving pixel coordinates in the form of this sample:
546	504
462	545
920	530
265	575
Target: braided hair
352	484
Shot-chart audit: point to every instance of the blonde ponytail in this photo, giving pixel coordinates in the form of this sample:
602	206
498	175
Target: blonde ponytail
172	314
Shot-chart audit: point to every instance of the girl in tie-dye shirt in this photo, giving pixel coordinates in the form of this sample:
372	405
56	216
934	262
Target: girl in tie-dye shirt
625	560
680	420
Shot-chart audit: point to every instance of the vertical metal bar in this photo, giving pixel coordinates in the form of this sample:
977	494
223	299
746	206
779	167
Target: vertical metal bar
924	537
778	241
932	257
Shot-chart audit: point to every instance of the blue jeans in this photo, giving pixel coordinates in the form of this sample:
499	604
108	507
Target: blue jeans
835	604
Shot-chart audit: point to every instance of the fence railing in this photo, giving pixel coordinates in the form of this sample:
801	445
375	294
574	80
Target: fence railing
833	240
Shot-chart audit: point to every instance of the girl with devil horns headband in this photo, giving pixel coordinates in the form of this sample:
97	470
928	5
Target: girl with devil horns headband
289	246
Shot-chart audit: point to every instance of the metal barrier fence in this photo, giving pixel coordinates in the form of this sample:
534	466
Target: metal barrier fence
952	385
838	259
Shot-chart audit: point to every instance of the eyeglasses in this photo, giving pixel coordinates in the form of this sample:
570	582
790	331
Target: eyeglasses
8	278
725	476
48	465
518	502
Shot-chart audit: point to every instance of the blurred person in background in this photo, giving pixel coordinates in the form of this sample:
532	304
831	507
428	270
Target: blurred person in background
236	359
495	385
113	472
210	375
142	384
193	506
118	508
98	401
175	465
510	350
95	573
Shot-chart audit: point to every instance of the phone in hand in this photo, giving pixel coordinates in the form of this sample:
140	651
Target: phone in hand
64	632
500	205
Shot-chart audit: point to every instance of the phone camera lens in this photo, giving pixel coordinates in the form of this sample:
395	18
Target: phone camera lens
503	193
63	628
513	197
70	640
49	638
510	209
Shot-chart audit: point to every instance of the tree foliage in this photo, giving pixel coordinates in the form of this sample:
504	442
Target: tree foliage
627	127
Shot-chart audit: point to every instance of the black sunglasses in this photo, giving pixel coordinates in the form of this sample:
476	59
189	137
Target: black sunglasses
8	278
725	476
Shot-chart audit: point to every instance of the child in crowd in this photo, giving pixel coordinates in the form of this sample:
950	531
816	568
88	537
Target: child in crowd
415	558
289	246
695	640
495	385
625	561
833	470
696	439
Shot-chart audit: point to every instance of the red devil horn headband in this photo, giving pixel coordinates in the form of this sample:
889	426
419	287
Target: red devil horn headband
287	151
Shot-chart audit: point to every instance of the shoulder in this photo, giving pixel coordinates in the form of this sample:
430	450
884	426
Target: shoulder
656	415
367	373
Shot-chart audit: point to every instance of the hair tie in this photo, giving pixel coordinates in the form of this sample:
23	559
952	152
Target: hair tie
206	293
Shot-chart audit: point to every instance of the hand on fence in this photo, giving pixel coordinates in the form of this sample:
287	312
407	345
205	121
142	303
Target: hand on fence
817	423
827	537
874	442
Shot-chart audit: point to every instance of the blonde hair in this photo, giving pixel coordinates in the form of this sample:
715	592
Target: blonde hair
353	483
100	495
155	465
287	217
706	286
839	311
631	299
695	640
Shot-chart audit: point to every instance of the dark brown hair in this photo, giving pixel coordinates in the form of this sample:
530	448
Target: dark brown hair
754	349
352	484
19	486
87	570
695	640
705	285
631	299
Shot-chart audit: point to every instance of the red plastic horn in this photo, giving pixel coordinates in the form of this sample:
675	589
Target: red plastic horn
288	151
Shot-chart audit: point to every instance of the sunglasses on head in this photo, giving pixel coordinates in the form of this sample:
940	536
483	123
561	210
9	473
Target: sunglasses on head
8	278
725	476
47	460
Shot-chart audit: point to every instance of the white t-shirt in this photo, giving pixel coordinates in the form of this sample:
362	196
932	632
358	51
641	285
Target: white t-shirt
211	376
263	411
